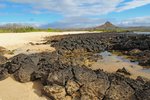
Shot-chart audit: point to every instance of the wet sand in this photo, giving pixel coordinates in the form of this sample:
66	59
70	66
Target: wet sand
111	63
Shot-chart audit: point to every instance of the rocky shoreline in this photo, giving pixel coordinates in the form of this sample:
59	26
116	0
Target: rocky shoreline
65	75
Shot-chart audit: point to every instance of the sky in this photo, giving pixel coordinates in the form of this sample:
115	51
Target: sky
75	13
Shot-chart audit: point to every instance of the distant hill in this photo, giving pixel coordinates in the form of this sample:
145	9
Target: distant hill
107	25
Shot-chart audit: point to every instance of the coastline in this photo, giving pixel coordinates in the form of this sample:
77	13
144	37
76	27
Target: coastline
56	53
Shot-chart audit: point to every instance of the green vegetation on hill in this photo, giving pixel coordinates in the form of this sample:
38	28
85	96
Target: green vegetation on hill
26	29
16	30
114	30
53	30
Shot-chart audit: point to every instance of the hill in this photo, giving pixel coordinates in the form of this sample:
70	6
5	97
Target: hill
107	25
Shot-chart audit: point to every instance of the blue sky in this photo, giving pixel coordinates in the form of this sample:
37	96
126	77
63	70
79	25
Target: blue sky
75	13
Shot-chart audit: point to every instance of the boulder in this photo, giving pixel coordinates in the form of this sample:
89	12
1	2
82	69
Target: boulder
84	75
119	89
55	92
22	67
60	77
123	71
24	74
72	87
94	90
3	72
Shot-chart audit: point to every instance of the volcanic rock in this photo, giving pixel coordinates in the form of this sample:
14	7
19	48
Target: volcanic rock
123	71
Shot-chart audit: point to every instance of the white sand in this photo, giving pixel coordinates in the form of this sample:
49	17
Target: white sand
19	42
13	90
9	88
11	40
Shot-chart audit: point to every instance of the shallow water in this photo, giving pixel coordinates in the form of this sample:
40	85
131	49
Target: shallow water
145	70
142	32
111	63
106	56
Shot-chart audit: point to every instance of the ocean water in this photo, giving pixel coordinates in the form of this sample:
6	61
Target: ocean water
142	32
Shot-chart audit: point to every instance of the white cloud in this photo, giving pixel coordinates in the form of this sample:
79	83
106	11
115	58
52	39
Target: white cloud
78	12
133	4
82	7
77	22
73	7
138	21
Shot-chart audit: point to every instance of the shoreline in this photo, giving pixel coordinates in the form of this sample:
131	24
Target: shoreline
36	64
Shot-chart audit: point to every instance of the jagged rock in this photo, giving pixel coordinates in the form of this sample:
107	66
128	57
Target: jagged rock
143	95
22	66
94	90
3	72
60	77
84	75
24	74
123	71
119	89
55	92
72	87
19	61
142	79
95	42
101	74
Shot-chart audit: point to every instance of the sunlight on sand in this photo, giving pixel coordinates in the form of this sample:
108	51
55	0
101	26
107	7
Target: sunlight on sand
13	90
20	42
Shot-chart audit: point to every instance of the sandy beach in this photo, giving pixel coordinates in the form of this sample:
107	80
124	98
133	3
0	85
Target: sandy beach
20	43
13	90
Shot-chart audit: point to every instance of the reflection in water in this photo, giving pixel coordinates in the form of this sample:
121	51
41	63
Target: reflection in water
107	56
142	32
145	70
111	63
